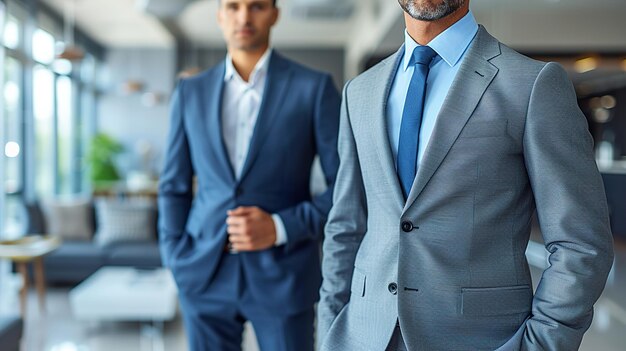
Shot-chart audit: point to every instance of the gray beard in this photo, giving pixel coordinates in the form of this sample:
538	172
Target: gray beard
430	13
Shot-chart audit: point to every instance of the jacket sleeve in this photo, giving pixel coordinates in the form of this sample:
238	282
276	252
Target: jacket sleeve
345	229
175	183
306	220
572	212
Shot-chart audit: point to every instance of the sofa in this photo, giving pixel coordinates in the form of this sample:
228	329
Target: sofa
74	261
11	330
96	233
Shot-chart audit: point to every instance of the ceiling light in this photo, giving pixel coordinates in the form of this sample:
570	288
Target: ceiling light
608	102
601	115
132	86
595	103
70	51
586	64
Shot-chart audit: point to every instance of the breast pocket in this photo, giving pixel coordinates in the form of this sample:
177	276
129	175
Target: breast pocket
358	283
496	301
485	129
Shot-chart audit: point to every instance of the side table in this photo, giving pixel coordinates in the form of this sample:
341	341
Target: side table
30	249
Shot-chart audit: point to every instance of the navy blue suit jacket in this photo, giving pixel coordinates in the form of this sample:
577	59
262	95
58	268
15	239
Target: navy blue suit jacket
298	118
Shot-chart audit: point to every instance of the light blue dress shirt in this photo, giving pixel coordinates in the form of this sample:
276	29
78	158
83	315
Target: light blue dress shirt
450	46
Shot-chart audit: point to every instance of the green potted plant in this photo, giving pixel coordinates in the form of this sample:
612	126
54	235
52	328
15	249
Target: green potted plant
100	158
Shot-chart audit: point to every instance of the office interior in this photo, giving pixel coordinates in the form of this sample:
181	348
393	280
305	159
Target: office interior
85	97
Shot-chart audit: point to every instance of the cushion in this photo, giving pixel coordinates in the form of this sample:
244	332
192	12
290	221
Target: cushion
36	218
69	218
125	220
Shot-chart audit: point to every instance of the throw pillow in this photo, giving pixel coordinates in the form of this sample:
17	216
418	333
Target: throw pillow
125	220
69	218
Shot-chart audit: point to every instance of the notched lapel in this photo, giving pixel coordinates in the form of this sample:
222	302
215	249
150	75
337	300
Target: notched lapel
213	96
278	77
379	97
475	75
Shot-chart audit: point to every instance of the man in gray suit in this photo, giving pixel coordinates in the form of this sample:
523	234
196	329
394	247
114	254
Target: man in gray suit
447	148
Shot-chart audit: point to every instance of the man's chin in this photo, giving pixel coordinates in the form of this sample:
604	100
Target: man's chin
246	46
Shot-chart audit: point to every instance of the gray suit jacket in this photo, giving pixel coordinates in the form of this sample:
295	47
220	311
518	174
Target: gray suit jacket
449	264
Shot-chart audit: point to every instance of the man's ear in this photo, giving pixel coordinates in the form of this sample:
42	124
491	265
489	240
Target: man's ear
276	16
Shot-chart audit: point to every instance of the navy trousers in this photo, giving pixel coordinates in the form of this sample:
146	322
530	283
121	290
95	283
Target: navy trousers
214	321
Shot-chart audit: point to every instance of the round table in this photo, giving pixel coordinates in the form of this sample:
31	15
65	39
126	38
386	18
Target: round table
30	248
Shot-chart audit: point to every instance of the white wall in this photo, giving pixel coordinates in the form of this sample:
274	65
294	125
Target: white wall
554	30
125	117
544	29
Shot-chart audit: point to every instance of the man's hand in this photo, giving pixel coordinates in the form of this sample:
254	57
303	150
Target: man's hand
250	229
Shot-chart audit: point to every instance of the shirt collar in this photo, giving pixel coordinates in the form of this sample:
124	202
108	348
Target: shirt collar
261	67
449	44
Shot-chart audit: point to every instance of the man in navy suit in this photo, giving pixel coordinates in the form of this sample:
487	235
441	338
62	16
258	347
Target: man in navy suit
243	241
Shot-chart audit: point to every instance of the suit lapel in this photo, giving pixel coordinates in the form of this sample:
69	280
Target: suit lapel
473	78
213	96
278	76
379	97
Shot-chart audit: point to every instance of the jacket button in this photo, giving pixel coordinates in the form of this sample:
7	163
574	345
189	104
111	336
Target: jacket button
238	191
407	226
393	288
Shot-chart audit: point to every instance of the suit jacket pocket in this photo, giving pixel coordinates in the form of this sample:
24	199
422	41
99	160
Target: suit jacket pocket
496	301
358	283
484	129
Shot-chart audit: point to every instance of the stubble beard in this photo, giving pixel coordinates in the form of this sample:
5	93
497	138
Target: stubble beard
426	11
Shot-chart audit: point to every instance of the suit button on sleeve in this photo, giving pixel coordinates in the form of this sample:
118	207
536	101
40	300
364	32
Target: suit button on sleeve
393	288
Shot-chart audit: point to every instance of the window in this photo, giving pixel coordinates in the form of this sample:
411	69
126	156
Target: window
43	46
43	108
47	112
13	125
12	33
65	136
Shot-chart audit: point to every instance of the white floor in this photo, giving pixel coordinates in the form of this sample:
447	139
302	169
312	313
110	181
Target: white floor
57	330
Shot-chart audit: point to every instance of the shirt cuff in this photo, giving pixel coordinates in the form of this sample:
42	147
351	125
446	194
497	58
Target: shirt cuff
281	232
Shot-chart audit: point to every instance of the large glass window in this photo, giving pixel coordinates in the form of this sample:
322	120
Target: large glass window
49	108
43	46
12	33
13	126
12	145
65	135
43	108
47	112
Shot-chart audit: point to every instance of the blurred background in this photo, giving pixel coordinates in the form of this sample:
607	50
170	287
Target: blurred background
85	92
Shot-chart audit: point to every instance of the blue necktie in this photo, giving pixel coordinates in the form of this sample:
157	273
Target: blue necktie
412	118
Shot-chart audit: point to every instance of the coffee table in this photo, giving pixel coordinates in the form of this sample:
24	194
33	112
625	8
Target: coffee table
128	294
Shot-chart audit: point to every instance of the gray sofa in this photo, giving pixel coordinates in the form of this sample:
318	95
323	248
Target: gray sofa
76	260
11	330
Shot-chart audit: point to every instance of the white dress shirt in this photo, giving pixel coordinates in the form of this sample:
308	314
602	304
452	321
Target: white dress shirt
450	46
240	110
